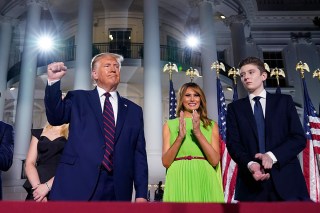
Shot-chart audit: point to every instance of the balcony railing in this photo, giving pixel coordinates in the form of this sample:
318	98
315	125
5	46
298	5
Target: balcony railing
184	58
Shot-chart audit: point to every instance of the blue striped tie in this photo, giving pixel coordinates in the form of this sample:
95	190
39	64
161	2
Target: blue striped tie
258	115
109	133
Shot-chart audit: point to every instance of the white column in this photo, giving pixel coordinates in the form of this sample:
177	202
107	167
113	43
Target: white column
208	56
301	48
236	24
239	46
84	46
152	90
23	121
6	25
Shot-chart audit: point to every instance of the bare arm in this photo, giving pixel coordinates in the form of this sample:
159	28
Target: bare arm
169	153
30	166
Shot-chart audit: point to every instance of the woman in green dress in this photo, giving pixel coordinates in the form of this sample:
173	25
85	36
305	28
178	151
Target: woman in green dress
190	151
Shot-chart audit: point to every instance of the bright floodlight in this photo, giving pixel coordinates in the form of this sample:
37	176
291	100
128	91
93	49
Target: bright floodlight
45	43
192	41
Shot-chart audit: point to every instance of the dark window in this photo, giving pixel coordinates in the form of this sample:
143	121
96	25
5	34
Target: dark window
221	58
274	60
70	49
172	49
120	42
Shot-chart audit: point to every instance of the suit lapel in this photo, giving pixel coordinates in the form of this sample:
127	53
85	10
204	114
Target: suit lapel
122	113
249	115
1	130
270	104
96	106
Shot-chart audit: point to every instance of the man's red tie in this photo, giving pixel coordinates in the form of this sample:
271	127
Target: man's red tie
109	133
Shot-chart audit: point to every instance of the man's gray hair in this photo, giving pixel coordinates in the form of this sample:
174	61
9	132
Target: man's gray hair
97	57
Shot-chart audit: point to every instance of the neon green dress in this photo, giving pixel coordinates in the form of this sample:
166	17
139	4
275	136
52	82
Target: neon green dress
192	180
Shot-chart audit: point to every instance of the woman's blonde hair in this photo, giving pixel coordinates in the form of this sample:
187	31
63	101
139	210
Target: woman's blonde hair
203	102
64	129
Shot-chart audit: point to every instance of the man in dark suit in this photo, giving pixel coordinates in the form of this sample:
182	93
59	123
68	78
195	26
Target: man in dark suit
266	150
6	149
81	175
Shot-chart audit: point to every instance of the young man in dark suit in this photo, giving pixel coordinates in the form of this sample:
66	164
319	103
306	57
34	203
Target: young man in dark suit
264	137
6	149
102	159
